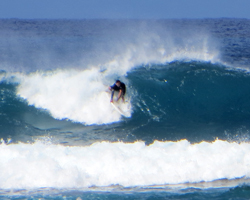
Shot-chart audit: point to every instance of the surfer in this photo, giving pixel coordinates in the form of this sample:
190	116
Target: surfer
119	87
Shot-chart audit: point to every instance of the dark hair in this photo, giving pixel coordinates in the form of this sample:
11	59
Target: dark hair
118	81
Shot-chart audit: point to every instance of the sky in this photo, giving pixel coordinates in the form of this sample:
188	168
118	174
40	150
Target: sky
124	9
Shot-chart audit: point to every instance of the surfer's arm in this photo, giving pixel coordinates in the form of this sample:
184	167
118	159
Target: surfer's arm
119	95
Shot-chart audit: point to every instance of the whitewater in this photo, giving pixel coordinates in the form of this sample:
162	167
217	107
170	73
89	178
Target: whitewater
187	132
128	164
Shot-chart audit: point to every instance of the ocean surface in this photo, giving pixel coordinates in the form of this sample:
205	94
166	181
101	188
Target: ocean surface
187	132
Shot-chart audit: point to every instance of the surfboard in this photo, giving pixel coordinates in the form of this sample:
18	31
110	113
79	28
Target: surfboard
118	109
116	106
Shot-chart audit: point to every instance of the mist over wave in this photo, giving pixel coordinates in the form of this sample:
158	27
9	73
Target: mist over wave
47	44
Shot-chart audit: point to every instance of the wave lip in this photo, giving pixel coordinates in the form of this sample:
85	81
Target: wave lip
127	164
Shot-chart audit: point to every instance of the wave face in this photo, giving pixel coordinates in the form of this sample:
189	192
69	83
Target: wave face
188	95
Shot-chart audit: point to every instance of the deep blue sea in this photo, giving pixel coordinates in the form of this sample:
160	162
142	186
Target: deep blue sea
187	131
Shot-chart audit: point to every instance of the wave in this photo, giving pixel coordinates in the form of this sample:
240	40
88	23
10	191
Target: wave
70	84
190	90
128	164
75	95
178	100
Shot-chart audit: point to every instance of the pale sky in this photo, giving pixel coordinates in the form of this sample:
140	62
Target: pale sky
123	9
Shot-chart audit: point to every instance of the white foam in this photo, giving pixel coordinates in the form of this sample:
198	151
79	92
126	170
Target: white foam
75	95
132	164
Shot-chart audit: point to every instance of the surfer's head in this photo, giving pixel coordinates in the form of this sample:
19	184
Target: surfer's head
118	83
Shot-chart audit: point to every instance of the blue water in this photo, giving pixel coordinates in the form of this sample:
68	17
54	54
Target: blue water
187	131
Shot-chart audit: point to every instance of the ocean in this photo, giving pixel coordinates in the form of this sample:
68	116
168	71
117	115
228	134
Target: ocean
187	132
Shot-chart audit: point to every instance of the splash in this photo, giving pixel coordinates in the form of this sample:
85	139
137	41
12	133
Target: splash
74	95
